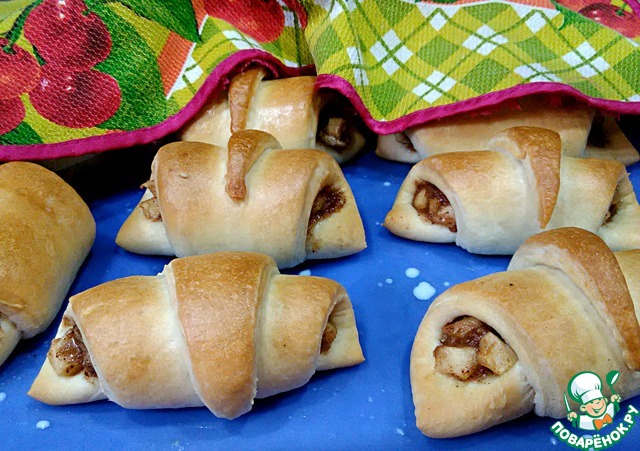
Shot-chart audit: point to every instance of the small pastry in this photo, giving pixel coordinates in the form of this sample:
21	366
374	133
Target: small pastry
509	343
491	201
46	231
290	109
288	204
217	330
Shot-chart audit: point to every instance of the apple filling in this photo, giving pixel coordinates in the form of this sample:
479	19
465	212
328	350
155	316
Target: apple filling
68	354
328	201
335	124
433	206
470	351
328	336
150	207
613	207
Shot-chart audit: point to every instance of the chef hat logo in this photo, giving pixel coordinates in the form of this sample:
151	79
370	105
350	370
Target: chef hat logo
585	387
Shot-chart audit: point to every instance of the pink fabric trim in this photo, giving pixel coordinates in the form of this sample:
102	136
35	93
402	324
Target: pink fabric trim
118	140
419	117
635	6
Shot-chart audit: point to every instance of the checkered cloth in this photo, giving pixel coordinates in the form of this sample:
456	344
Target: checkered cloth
399	61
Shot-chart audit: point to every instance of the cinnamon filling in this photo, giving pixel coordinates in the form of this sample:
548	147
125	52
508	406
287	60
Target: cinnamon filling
69	356
597	136
613	208
327	202
433	206
150	207
403	139
328	336
470	351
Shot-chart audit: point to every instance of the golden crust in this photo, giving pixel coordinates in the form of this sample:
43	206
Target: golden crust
245	147
543	312
46	234
499	199
242	90
207	331
464	132
541	148
199	217
226	379
592	266
287	108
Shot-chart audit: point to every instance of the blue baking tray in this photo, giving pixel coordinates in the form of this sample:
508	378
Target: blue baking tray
368	406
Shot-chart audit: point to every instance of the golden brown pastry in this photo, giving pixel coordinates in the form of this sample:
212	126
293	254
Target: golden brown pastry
290	109
490	201
217	330
581	135
46	231
289	204
498	347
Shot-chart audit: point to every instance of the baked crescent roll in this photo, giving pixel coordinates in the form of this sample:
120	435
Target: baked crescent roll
289	108
46	231
490	201
201	198
495	348
216	330
464	132
581	135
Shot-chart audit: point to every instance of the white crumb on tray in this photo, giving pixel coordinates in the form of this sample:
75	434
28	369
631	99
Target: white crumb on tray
379	284
387	183
399	431
3	396
388	281
412	273
306	272
446	284
424	291
42	424
370	399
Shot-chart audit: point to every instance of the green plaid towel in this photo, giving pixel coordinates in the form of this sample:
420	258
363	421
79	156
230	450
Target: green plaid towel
84	76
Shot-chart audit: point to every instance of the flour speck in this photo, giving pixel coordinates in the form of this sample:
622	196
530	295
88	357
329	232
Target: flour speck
388	281
306	272
387	183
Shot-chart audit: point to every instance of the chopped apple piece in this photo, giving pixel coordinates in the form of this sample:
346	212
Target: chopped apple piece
460	363
495	354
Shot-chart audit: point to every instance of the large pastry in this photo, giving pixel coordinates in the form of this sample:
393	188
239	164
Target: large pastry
290	109
46	231
255	196
217	330
490	201
503	345
580	134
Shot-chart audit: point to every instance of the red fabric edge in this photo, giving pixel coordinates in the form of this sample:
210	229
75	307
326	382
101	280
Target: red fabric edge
419	117
96	144
220	77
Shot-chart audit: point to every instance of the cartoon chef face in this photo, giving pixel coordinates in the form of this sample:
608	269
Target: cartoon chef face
585	388
595	408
